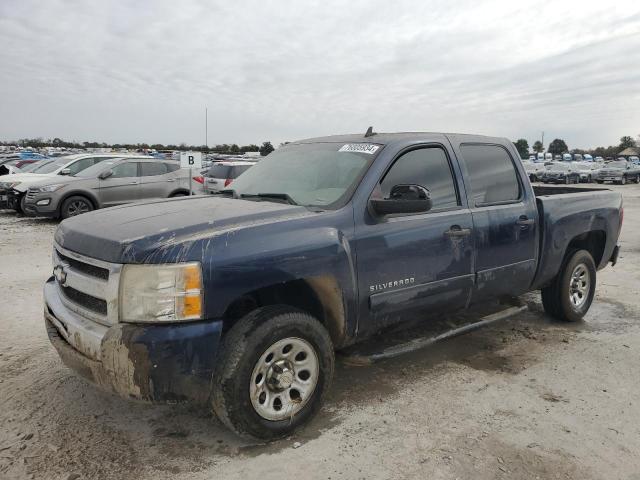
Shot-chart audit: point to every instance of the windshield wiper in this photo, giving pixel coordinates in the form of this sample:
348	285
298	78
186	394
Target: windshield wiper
269	196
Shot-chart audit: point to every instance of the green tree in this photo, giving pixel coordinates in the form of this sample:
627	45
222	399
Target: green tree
266	149
538	147
557	147
523	147
627	142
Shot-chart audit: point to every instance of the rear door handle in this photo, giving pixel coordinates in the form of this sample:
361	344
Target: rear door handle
133	183
524	221
171	180
457	231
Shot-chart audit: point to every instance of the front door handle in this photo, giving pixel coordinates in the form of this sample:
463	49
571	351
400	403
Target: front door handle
133	183
171	180
456	231
525	221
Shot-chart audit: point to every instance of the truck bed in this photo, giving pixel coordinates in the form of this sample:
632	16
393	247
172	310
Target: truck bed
574	214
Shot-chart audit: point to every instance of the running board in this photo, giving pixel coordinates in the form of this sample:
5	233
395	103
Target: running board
419	343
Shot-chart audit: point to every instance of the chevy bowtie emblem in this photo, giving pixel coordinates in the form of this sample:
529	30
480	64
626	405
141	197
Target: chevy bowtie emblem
60	274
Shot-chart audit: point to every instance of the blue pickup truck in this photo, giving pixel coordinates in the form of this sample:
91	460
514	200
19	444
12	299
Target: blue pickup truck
239	300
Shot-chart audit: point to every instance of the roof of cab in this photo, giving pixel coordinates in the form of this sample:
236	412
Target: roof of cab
386	138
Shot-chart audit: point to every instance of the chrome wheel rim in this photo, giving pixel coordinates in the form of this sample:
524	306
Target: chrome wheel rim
580	285
77	207
284	379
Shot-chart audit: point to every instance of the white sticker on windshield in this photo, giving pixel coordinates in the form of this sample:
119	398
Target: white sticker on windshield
360	148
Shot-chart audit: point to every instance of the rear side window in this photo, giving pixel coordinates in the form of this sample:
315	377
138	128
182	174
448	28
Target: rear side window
427	167
80	165
238	170
151	168
219	171
129	169
492	174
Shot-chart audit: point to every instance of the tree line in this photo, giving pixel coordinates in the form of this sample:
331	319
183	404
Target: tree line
225	148
558	146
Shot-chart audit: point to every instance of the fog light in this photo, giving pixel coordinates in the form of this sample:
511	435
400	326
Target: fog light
43	203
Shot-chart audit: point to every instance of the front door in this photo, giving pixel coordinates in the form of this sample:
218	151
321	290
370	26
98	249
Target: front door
122	186
415	262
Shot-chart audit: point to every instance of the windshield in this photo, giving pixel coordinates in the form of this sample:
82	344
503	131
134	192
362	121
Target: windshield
35	166
95	170
617	164
49	167
315	174
558	167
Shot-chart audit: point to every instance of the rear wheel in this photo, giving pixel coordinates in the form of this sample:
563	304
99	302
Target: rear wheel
570	294
275	366
74	206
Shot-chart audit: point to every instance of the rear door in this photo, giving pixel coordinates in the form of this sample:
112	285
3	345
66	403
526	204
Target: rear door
122	186
504	220
419	262
154	182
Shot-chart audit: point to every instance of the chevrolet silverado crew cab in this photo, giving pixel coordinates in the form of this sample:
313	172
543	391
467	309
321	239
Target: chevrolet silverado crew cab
239	300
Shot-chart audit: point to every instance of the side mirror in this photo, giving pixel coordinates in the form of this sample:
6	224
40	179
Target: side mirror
65	171
403	199
106	174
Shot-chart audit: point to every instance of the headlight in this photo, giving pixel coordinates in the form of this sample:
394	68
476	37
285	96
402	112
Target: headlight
48	188
161	293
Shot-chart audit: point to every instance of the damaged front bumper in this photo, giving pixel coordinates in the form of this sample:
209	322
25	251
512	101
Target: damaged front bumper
159	363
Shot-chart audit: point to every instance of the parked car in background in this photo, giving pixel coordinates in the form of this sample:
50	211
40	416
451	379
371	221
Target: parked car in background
588	170
577	157
567	157
557	158
108	183
598	159
587	158
619	171
67	165
544	157
634	159
534	170
560	173
222	174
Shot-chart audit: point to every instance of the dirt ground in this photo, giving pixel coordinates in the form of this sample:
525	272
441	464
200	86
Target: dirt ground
525	399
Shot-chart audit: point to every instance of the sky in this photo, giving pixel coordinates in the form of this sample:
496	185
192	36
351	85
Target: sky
144	71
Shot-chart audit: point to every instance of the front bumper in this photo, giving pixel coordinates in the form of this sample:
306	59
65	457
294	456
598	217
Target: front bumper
48	204
553	179
158	363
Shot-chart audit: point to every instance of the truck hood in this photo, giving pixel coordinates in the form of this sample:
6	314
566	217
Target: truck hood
128	234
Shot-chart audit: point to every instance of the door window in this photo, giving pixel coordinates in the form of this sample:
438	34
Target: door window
429	168
123	170
492	174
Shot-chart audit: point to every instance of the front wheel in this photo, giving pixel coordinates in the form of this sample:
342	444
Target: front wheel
623	181
274	369
75	205
570	294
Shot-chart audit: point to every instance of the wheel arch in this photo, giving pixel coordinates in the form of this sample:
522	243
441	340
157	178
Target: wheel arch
320	296
593	241
177	191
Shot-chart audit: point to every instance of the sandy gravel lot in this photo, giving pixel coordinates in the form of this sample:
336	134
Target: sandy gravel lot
525	399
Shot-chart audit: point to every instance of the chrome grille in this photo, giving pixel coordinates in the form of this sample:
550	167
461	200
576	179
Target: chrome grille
87	286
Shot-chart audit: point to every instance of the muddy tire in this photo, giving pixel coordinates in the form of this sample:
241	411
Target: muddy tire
570	294
75	205
274	369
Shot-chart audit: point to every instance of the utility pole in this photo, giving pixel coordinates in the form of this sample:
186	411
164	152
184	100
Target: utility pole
542	141
206	127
